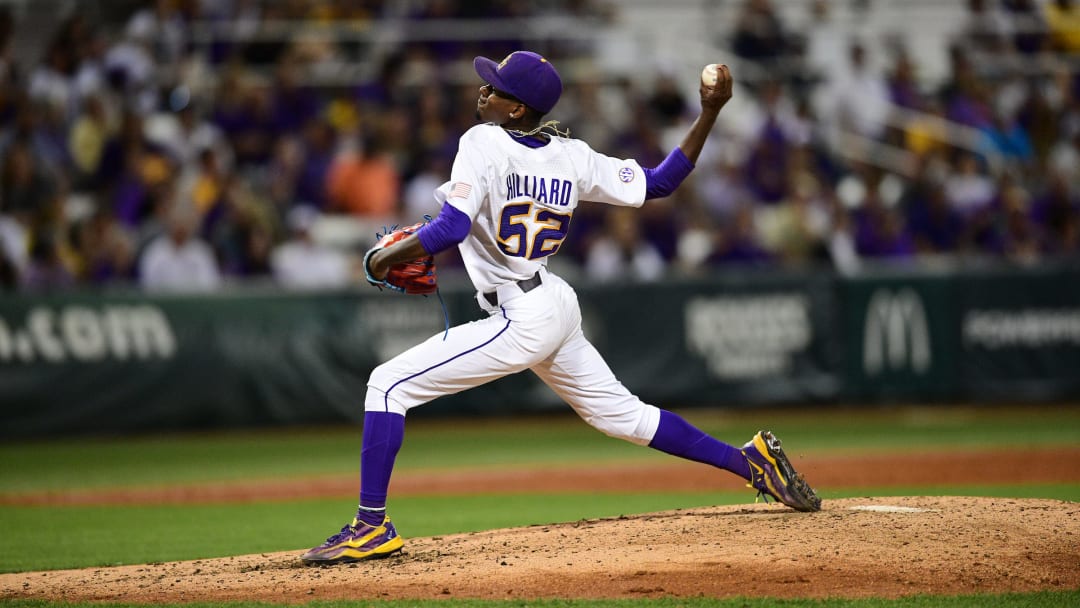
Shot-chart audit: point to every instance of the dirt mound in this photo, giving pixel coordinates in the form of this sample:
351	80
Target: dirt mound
883	547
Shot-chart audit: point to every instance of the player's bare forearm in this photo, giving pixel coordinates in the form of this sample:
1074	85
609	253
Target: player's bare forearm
695	139
405	250
712	100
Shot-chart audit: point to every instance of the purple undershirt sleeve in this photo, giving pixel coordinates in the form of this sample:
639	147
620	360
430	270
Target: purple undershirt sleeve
665	177
449	228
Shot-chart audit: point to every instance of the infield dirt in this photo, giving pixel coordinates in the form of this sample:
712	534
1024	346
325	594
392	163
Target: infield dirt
854	547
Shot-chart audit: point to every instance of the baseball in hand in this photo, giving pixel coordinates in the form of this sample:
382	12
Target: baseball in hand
708	75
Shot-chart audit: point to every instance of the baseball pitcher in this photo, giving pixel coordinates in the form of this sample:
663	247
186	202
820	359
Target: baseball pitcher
514	187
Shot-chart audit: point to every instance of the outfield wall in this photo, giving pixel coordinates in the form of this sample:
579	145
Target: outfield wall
119	362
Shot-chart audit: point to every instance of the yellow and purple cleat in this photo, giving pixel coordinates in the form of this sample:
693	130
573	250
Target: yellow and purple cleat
356	542
771	474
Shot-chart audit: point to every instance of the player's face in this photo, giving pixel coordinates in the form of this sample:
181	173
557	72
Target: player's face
494	105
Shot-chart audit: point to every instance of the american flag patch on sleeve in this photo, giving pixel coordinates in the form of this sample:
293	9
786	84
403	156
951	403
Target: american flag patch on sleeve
460	190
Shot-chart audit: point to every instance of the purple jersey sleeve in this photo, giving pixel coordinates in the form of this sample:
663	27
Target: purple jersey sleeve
448	229
662	180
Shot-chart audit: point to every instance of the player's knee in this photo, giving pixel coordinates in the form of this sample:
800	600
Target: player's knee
381	377
379	397
378	400
636	425
610	427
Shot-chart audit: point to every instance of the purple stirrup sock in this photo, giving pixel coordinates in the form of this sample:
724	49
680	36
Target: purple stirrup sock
383	434
678	437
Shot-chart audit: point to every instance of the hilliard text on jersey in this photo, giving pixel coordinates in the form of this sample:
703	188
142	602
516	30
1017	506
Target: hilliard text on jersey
549	191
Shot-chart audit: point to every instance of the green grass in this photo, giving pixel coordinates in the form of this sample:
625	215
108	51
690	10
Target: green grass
1046	599
168	459
165	459
906	428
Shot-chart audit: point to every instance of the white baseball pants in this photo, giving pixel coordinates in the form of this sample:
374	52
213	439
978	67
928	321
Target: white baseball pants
539	330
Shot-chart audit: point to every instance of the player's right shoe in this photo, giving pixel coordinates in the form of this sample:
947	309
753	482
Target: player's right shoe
356	541
771	474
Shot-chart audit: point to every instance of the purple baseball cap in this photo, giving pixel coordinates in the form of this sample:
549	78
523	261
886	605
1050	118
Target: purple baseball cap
525	75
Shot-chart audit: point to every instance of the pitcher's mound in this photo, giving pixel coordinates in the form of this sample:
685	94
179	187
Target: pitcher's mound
882	547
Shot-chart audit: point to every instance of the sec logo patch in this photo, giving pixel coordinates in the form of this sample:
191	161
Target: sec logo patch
626	175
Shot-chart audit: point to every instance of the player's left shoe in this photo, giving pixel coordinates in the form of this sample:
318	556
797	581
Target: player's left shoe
771	474
356	541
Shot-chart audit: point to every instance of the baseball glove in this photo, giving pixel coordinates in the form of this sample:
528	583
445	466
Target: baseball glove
413	277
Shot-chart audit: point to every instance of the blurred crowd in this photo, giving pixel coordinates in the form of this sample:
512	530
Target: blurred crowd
146	151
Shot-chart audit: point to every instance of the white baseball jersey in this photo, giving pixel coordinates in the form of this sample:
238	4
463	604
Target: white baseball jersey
521	201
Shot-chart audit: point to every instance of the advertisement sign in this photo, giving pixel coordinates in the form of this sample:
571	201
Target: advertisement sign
900	337
1020	335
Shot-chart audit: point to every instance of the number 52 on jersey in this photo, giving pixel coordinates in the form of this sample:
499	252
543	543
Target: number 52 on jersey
532	231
